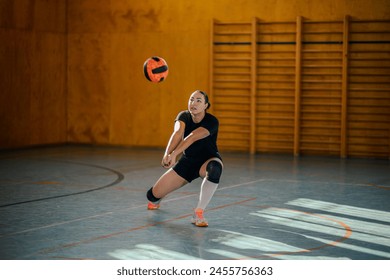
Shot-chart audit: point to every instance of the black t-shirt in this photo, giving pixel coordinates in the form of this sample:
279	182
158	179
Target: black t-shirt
204	148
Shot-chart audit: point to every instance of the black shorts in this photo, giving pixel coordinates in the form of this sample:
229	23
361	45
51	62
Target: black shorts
188	167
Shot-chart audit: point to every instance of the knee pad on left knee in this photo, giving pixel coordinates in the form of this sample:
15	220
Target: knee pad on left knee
214	171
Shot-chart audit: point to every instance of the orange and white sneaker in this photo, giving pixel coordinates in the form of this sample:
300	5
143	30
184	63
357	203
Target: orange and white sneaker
153	206
198	219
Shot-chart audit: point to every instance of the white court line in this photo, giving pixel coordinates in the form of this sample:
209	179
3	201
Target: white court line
367	213
326	182
120	210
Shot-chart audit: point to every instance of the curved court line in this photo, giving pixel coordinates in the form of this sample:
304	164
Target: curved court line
119	178
348	233
379	186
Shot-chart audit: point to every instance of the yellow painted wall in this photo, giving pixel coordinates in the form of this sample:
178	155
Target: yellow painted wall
32	72
71	71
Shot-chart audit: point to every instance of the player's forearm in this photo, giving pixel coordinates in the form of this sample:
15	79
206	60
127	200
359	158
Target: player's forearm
173	143
183	145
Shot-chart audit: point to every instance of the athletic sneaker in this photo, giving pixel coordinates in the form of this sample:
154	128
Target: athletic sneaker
153	206
198	219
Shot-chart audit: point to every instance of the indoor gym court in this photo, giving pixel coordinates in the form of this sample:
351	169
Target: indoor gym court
300	88
81	202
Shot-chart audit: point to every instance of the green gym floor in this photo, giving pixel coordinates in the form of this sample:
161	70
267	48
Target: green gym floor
83	202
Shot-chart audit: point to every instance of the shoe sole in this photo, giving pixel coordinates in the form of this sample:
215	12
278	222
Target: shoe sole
203	224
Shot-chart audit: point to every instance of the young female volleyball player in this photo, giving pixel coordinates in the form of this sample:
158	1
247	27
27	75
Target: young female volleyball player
195	137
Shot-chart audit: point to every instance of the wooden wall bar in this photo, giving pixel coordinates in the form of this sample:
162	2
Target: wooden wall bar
322	87
232	83
276	86
369	88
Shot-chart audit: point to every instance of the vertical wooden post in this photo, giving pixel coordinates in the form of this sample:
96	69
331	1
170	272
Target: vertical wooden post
211	66
344	89
253	87
298	77
389	141
67	135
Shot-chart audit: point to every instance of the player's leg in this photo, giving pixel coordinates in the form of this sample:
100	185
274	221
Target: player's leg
167	183
211	172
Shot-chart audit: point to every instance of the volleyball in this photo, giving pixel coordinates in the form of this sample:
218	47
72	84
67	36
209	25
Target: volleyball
155	69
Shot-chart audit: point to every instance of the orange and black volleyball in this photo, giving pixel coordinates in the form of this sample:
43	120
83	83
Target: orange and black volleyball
155	69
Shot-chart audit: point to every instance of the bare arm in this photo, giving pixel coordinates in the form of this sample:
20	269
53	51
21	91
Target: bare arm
194	136
174	141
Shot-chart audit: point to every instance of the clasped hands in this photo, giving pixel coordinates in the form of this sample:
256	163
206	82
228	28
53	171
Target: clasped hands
169	160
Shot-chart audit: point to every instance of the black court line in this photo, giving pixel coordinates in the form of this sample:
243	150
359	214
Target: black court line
119	179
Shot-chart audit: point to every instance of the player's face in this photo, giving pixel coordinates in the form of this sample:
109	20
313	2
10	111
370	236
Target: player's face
196	103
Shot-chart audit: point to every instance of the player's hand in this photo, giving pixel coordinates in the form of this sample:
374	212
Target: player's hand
166	161
169	160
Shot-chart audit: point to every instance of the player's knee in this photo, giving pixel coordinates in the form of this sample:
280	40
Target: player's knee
214	171
150	196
